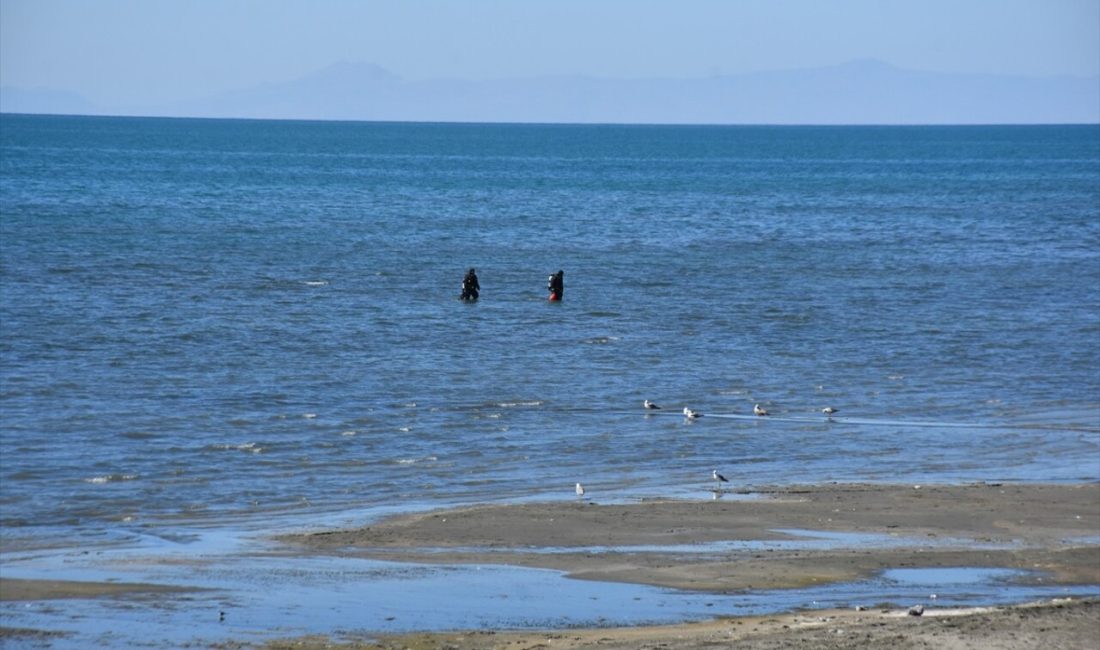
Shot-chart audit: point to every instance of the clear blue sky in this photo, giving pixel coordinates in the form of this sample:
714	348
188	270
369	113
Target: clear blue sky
142	51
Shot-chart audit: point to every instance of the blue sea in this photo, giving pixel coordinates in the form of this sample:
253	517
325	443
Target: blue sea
222	324
230	321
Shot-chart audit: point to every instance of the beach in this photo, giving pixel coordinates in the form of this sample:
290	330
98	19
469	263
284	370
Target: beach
1055	624
990	525
1026	527
737	543
1048	531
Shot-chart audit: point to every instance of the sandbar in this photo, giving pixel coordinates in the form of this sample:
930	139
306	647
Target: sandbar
1050	531
1049	624
16	589
1054	529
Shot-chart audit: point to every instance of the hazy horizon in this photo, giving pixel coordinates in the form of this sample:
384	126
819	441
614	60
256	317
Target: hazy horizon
707	61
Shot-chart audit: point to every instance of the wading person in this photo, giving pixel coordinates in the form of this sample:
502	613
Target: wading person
470	286
556	285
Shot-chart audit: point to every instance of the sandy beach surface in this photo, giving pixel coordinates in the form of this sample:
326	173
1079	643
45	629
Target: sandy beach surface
1051	531
1055	624
1050	528
1045	527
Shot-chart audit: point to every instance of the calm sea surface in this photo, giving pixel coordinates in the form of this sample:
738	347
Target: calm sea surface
226	323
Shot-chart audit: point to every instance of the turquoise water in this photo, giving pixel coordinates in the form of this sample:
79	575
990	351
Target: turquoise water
229	323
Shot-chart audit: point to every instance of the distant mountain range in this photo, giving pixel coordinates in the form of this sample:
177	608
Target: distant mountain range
859	92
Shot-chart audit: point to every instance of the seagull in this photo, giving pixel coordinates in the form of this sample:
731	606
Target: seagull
828	410
650	405
690	414
759	410
719	479
580	490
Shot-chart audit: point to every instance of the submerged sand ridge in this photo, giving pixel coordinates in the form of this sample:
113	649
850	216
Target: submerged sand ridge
1051	528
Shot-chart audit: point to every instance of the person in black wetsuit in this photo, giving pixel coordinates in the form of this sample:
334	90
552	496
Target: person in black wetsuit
470	286
556	285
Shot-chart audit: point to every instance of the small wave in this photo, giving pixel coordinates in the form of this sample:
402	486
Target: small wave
315	283
413	461
600	340
505	405
250	447
111	478
309	416
348	433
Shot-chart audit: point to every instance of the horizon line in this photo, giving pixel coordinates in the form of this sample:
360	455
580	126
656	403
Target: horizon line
538	123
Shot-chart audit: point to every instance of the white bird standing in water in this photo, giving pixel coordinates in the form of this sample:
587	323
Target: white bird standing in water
759	410
580	490
650	405
690	414
718	479
828	411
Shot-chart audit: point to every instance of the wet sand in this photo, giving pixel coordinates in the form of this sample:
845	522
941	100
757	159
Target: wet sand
1054	529
1050	528
1044	527
14	589
1051	624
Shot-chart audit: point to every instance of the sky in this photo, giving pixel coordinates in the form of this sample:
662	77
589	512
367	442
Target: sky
155	51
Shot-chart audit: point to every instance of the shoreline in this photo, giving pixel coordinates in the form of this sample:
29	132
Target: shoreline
1050	528
782	538
1059	623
